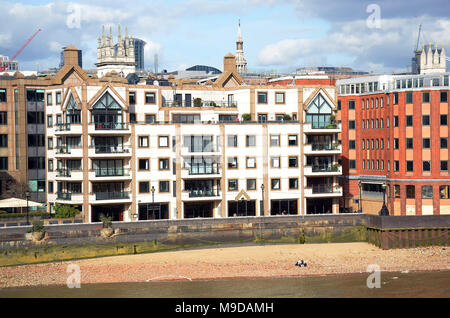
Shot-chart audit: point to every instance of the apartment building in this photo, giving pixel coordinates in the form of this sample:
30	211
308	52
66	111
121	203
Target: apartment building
395	140
222	149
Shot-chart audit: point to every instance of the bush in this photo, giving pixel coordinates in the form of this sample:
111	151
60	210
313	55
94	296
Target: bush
63	211
19	215
198	102
246	117
287	117
38	226
106	220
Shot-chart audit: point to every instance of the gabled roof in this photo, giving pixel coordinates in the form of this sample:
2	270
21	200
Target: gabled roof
66	70
226	77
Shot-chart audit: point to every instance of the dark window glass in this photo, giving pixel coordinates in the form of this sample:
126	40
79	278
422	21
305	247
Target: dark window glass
164	186
3	163
132	98
3	118
409	165
426	143
426	120
410	192
351	124
262	98
150	98
444	97
409	120
409	143
352	164
444	143
409	97
395	121
444	165
444	120
425	97
351	144
351	104
427	192
144	187
2	95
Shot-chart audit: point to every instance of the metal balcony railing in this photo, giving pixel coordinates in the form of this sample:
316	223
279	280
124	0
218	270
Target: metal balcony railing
112	172
63	150
111	126
206	192
324	146
63	173
203	168
63	127
325	168
112	195
64	196
198	103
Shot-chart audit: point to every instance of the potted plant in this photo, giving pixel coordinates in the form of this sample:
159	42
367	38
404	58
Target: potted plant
287	117
212	103
38	230
107	229
246	117
198	102
335	168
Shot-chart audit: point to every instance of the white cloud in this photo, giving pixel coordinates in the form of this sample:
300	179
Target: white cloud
55	47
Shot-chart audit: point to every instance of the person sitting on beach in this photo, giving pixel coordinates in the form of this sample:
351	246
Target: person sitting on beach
300	263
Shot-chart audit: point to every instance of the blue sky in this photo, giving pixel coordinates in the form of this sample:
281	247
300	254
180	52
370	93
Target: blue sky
278	35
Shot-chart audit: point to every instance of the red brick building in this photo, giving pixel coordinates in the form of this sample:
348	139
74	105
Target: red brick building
395	133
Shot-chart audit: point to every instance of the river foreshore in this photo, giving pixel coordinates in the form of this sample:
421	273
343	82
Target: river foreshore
234	262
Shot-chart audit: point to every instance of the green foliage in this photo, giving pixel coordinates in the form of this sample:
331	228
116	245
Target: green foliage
198	102
287	117
335	168
63	211
333	119
302	237
106	220
213	104
38	226
246	117
19	215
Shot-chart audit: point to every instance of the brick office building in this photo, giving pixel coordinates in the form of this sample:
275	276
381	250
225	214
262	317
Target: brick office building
395	133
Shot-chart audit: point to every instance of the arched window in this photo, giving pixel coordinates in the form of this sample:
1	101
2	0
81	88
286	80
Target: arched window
318	112
107	113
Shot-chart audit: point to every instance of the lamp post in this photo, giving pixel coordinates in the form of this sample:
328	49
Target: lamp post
261	213
360	198
384	210
153	194
27	194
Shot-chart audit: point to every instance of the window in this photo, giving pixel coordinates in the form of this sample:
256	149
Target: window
293	162
426	143
143	141
232	163
444	143
443	120
262	98
351	144
363	124
395	121
164	186
150	119
275	162
351	124
35	117
396	166
274	140
425	120
409	143
395	98
382	164
144	164
387	122
150	98
409	120
351	104
3	118
49	121
381	123
381	143
444	165
250	141
395	143
50	187
251	184
396	191
363	144
163	141
164	164
409	97
36	140
292	140
363	164
50	165
232	184
232	141
426	165
444	97
293	183
58	98
409	166
410	192
132	98
144	187
275	184
425	97
2	95
49	99
50	142
279	98
444	192
352	164
251	162
36	162
3	141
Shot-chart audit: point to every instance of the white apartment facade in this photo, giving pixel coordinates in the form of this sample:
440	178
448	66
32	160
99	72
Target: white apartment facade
140	152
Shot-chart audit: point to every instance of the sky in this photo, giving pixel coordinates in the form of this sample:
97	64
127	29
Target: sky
279	35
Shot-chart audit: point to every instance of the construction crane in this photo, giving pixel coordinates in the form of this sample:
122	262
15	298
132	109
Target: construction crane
4	67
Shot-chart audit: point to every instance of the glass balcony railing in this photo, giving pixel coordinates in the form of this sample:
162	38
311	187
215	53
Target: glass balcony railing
111	172
324	146
198	103
63	127
206	192
111	149
111	126
325	168
64	196
63	150
203	168
322	188
63	173
112	195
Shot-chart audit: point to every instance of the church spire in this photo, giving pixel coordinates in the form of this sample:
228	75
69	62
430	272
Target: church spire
241	63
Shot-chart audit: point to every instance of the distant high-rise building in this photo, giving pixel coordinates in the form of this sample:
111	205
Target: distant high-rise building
80	58
13	65
139	53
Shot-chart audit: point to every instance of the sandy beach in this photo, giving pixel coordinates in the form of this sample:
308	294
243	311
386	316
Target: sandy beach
255	261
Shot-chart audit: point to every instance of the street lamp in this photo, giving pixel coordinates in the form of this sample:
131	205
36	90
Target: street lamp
153	194
359	201
27	194
261	213
384	210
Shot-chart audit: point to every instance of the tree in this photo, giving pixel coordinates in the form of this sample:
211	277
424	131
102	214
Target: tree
65	211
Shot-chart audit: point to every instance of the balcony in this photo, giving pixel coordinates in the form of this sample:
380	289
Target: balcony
201	169
210	150
64	196
109	128
323	191
205	194
325	169
62	151
198	103
115	149
112	172
69	197
67	173
68	129
123	195
321	128
322	148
